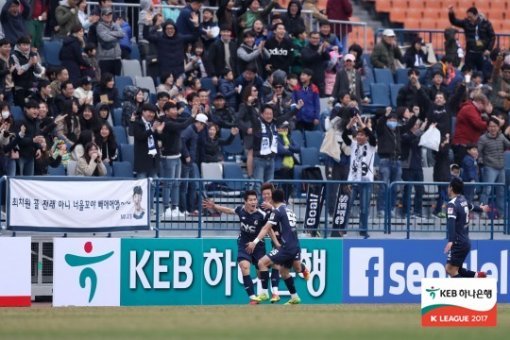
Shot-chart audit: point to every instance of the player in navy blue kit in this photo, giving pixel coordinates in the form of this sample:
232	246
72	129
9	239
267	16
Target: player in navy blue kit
290	249
252	220
459	245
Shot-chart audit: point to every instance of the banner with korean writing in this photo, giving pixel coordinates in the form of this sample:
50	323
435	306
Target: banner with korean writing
51	204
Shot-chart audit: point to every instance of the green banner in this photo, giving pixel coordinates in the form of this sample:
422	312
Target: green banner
204	271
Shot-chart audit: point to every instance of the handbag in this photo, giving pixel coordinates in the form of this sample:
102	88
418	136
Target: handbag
431	139
330	145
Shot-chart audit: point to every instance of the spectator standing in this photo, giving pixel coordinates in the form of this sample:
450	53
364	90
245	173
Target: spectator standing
38	17
491	148
480	36
71	54
66	15
248	53
146	148
170	45
340	10
470	125
223	53
361	169
185	23
14	19
26	131
280	49
170	137
307	117
314	56
414	94
108	36
292	20
470	171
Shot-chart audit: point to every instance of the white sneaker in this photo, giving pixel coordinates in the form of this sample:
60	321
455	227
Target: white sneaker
176	213
167	213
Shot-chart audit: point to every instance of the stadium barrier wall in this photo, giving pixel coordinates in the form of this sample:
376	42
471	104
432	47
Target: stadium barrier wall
157	272
389	271
15	287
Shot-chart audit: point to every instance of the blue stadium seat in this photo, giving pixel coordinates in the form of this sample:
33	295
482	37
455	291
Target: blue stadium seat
234	148
380	94
314	138
394	88
117	116
507	160
366	60
121	82
401	76
127	153
297	137
120	135
51	52
309	156
17	113
383	75
232	170
60	170
109	170
122	169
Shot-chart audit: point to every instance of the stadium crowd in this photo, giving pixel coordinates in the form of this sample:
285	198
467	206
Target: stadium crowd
259	74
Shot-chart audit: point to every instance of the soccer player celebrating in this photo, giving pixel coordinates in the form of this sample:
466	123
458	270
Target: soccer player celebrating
459	245
252	219
289	251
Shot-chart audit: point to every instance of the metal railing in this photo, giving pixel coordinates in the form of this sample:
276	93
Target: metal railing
436	37
130	13
361	216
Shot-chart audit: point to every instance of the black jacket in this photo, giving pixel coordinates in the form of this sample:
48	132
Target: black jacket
27	147
216	57
294	24
485	33
281	54
389	141
316	62
72	58
171	135
210	149
143	161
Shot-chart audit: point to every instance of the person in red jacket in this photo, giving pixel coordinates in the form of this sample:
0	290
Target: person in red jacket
470	124
340	10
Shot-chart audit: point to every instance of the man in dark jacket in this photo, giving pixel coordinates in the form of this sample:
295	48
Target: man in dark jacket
414	94
146	148
170	137
170	46
185	22
315	57
480	36
389	150
222	53
14	20
292	20
189	142
26	131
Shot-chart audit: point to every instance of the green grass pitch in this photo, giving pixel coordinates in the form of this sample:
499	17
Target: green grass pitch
374	322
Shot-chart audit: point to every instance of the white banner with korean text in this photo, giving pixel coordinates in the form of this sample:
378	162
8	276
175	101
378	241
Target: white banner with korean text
52	204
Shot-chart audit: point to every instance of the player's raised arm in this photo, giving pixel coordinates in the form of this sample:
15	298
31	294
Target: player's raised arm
263	232
209	204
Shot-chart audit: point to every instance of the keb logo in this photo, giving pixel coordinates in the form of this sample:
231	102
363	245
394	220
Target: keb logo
86	272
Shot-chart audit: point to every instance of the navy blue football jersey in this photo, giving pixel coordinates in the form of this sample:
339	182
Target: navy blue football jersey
251	224
458	220
286	221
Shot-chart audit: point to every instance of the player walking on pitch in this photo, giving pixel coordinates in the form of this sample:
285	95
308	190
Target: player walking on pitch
252	219
459	245
289	251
